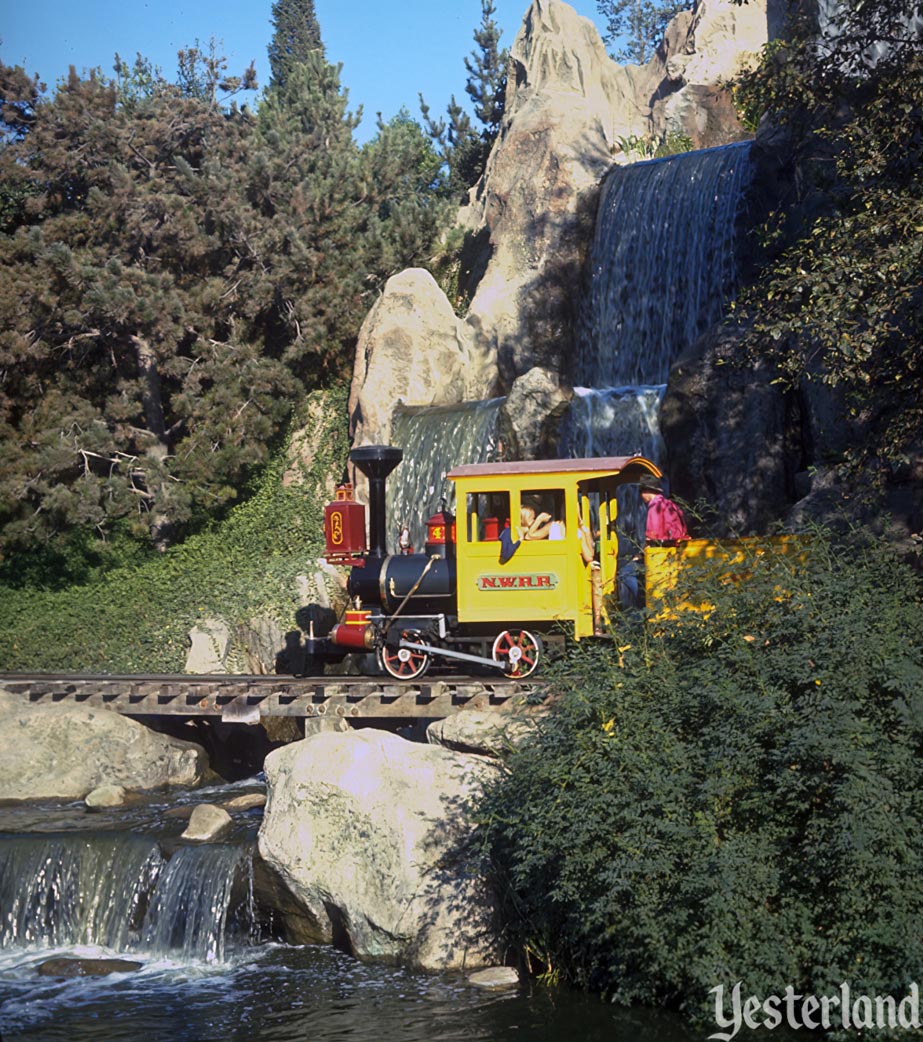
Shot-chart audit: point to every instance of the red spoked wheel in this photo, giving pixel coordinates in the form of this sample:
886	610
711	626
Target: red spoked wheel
519	652
405	663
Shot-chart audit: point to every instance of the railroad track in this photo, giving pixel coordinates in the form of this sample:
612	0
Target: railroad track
247	698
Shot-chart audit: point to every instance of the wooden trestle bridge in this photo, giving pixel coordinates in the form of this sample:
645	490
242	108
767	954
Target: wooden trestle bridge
247	698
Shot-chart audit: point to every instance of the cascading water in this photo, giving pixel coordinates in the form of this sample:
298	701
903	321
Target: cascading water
190	906
434	440
663	269
118	892
71	891
663	264
60	891
612	421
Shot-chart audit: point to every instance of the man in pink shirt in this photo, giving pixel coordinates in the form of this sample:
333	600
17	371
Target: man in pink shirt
666	525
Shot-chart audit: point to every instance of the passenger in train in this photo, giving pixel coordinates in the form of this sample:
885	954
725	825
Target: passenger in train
534	525
666	523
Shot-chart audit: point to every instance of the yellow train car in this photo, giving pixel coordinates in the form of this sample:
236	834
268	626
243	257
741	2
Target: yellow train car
512	570
530	555
674	574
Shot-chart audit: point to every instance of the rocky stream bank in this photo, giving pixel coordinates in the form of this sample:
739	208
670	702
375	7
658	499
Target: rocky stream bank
363	835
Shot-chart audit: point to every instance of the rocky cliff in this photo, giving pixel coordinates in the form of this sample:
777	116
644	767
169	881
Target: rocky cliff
571	113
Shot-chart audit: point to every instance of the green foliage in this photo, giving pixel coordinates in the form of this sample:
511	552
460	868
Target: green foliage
133	615
730	796
640	147
673	144
840	297
177	275
464	150
133	387
407	205
201	74
635	27
295	37
19	95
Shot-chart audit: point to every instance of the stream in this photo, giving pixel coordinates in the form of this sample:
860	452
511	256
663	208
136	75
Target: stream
75	884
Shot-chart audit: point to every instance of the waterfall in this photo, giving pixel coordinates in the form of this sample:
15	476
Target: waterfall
662	263
61	891
435	439
119	892
189	908
614	421
662	270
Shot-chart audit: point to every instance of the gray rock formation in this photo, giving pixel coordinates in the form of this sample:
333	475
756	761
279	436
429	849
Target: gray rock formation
72	967
566	105
104	796
496	978
412	349
570	113
531	414
67	751
702	49
209	643
483	733
365	833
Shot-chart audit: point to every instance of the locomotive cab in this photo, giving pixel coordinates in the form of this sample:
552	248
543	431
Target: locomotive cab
539	544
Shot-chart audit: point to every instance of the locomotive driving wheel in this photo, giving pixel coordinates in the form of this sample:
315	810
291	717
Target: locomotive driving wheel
404	663
519	652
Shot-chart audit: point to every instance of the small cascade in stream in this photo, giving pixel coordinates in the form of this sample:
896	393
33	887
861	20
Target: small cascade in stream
190	905
434	440
120	893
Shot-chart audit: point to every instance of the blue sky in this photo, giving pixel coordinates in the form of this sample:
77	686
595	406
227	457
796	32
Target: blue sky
390	52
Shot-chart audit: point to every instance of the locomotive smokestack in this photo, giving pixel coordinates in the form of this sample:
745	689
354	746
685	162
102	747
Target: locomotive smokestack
376	462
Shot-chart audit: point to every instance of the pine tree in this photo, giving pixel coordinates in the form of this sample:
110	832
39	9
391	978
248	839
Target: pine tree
133	390
405	177
305	181
176	274
636	27
296	36
487	67
464	149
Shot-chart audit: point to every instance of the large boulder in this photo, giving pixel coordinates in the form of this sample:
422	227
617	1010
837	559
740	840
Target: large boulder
413	350
367	834
567	103
531	414
61	751
703	49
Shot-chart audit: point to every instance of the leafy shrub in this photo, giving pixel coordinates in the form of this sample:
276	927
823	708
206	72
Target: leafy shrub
730	797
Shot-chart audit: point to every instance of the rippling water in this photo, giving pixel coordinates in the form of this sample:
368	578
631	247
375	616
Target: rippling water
278	993
251	992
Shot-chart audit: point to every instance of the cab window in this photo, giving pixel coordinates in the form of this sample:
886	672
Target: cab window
542	514
488	514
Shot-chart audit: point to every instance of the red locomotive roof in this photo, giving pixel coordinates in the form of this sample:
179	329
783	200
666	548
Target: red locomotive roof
595	465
